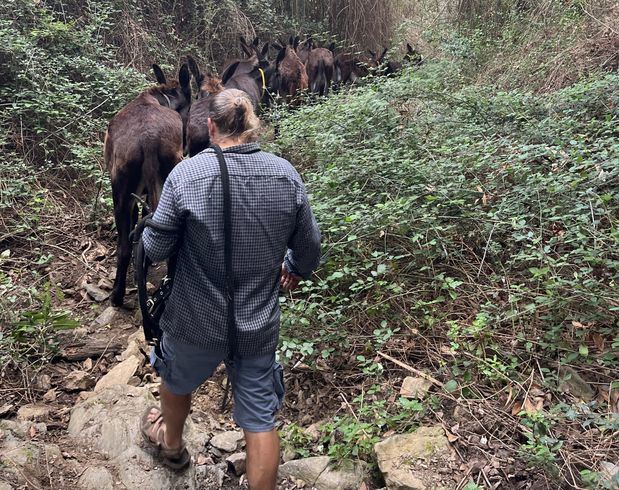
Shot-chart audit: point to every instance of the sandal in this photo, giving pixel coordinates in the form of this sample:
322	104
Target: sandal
153	434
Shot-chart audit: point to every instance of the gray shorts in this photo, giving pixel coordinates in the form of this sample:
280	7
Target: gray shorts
257	382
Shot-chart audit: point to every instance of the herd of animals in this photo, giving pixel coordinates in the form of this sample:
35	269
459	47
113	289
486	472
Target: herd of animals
152	133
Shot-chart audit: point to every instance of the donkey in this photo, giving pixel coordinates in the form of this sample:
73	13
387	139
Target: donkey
320	69
388	68
289	74
349	68
143	143
249	75
198	137
303	51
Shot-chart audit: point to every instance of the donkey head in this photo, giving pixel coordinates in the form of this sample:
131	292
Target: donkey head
413	56
207	83
174	94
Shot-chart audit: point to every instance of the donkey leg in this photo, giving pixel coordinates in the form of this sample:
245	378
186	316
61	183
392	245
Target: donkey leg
122	215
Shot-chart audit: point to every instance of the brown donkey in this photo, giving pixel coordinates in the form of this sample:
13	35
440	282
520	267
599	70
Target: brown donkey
197	126
321	69
143	143
289	76
349	68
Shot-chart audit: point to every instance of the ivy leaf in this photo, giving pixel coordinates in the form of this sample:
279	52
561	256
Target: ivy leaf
583	350
451	386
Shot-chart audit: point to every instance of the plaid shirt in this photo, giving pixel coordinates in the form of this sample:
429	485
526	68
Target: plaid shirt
272	223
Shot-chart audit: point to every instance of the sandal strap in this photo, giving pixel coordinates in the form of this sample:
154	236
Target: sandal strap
176	453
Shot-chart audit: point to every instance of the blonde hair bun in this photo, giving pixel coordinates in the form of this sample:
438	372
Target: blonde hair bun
233	113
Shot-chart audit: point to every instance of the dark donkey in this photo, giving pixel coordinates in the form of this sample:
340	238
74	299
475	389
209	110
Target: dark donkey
197	127
249	75
143	143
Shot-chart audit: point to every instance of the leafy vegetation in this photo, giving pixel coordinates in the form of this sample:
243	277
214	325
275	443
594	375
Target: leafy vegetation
469	208
475	224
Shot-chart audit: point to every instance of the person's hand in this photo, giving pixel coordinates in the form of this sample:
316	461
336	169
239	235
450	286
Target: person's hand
288	280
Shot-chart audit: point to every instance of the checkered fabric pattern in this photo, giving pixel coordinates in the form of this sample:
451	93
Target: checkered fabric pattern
272	223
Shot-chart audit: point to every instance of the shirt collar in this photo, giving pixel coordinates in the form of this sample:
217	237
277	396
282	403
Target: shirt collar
243	148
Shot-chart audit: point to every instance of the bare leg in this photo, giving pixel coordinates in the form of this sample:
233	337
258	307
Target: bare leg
175	409
262	459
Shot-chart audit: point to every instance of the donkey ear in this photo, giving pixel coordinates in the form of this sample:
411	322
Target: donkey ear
382	56
228	72
242	40
184	78
278	46
372	54
246	49
265	51
280	56
159	74
290	40
409	48
297	40
256	41
195	71
332	47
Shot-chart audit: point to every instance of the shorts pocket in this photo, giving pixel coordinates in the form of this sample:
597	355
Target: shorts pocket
278	383
160	361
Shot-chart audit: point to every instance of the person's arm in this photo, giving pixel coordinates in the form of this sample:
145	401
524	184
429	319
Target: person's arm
303	254
160	244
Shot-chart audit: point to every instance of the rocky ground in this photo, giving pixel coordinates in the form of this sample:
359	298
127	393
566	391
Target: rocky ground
95	442
73	422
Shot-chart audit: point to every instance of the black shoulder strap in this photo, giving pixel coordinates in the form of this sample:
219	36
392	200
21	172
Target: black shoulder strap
225	182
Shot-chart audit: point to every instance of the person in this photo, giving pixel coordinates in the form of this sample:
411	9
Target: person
275	243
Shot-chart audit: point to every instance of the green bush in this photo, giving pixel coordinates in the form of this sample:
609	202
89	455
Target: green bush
485	218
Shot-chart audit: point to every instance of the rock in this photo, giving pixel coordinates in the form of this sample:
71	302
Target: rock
138	469
210	477
307	469
50	395
96	293
348	476
134	381
570	381
227	441
33	412
106	317
415	387
313	430
236	463
403	459
109	421
22	429
6	409
609	473
35	456
119	374
289	455
134	342
42	382
5	486
105	283
78	381
96	478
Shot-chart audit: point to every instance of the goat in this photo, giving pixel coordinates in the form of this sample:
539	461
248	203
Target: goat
143	143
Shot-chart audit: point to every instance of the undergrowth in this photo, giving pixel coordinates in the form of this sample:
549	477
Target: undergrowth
467	230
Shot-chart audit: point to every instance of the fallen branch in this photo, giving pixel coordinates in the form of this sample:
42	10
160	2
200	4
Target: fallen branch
412	369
